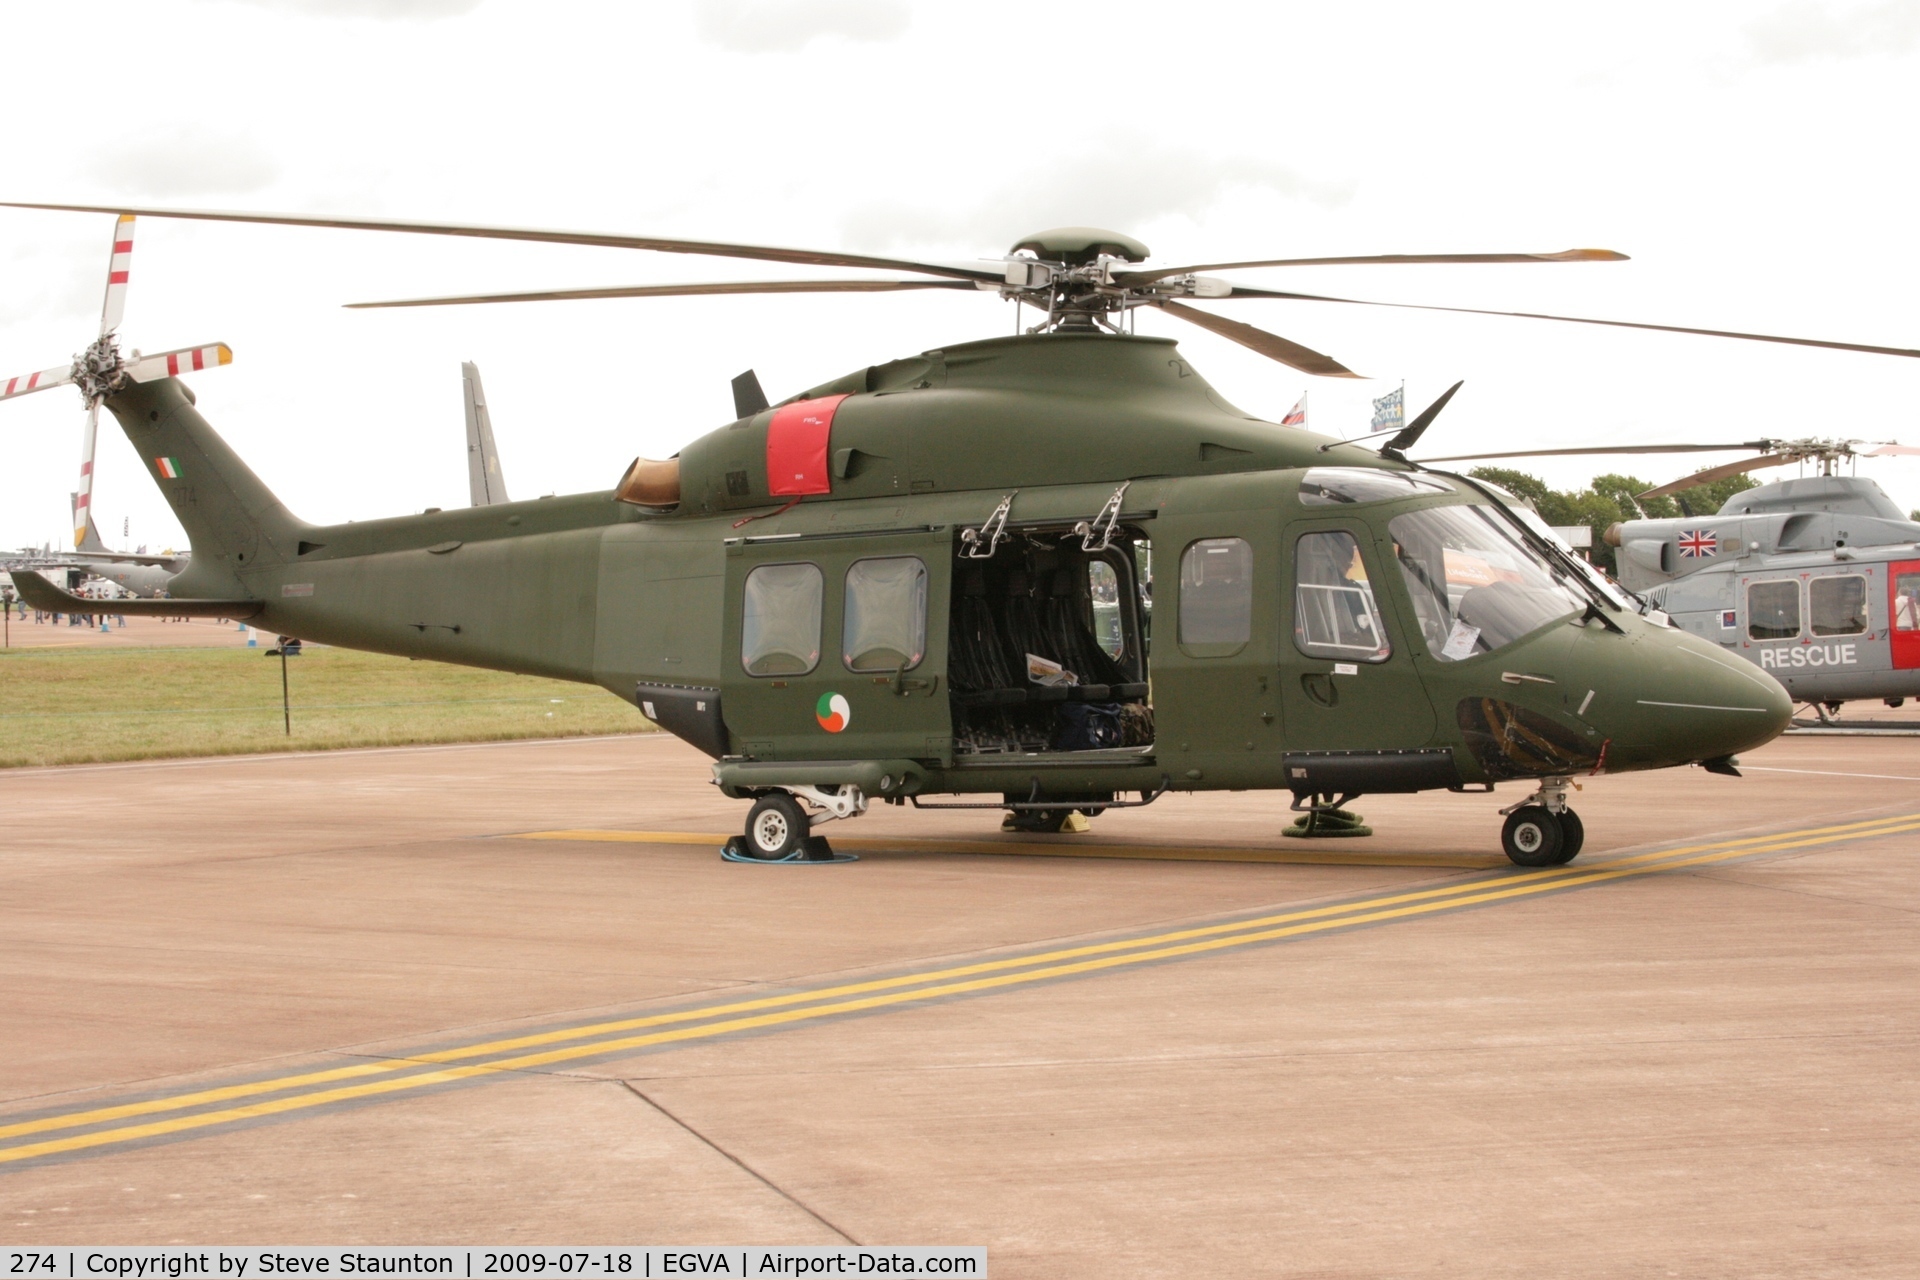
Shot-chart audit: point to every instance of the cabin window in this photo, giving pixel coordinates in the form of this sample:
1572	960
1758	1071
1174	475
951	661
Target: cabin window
780	621
1837	606
1906	602
1773	610
1103	587
885	623
1216	596
1334	614
1476	585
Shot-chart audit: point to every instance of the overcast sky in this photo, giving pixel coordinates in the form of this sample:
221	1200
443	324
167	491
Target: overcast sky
1756	160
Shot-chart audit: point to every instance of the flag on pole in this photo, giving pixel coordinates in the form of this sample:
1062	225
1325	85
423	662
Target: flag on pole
1390	410
1296	416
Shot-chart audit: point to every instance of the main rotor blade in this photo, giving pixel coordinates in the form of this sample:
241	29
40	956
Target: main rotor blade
1271	345
1241	292
1717	473
31	382
119	261
83	496
1604	448
763	253
681	290
1883	450
171	364
1389	259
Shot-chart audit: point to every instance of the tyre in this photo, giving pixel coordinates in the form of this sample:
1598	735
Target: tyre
1532	837
776	827
1573	834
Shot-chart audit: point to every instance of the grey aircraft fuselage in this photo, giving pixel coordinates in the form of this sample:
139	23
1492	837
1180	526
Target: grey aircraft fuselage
1815	580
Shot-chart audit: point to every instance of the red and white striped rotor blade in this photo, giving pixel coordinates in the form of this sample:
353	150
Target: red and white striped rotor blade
1884	450
40	381
83	496
118	265
171	364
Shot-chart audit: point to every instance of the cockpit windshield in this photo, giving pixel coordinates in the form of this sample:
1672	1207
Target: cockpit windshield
1476	583
1341	486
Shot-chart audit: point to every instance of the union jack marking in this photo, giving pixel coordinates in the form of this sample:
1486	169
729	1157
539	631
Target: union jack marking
1695	543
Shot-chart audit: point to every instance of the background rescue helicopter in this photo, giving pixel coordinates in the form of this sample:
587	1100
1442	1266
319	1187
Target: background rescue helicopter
1815	580
882	588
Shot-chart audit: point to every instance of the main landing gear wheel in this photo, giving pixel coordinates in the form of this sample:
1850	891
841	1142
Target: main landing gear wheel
776	827
1534	837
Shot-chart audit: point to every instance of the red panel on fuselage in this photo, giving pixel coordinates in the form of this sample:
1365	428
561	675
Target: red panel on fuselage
1903	611
797	447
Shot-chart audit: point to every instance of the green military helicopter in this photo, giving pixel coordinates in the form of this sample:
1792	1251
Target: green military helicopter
930	582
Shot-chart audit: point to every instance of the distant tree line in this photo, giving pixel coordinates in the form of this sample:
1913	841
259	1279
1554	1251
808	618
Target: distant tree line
1610	498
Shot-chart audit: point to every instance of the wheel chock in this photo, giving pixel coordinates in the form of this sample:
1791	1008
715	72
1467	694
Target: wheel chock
1328	824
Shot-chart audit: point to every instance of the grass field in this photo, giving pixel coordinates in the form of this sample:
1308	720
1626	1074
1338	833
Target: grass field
70	707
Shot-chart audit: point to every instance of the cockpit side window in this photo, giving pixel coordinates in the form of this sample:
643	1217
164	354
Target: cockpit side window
1334	614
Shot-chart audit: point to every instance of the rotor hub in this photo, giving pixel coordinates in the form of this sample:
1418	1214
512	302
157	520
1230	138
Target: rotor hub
99	371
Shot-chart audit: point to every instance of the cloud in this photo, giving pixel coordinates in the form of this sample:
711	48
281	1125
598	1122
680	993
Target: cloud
783	26
186	160
402	10
1115	181
1805	30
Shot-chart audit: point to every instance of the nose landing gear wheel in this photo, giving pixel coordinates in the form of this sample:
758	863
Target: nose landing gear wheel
1533	837
776	827
1573	834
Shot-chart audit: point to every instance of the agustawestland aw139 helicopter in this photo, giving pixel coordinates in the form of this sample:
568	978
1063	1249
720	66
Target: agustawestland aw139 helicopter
1815	580
886	587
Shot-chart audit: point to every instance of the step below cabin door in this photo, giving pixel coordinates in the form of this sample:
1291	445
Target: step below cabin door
836	648
1347	679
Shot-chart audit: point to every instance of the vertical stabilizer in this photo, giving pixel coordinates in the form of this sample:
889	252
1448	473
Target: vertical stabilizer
484	480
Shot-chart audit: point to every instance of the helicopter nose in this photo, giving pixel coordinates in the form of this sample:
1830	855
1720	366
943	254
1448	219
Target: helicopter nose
1692	702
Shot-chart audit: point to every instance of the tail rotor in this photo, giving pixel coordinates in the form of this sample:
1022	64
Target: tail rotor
101	370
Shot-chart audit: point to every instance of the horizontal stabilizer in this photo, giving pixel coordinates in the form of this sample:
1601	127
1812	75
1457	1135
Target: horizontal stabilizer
43	595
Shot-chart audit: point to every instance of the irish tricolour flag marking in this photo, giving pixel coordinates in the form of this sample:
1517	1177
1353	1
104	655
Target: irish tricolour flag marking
168	467
832	712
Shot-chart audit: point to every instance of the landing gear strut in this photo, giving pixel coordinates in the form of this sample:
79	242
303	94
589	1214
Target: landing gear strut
1541	831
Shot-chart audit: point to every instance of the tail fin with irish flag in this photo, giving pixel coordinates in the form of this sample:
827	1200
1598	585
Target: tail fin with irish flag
1297	416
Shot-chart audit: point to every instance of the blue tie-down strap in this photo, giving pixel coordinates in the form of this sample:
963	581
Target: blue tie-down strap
814	849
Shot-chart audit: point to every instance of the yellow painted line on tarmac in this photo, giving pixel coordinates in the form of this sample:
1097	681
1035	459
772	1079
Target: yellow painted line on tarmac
903	989
1067	848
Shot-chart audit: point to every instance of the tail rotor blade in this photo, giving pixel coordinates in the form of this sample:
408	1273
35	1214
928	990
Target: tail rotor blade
83	496
171	364
118	265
